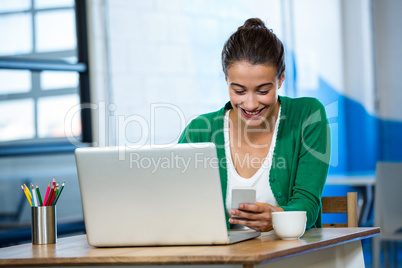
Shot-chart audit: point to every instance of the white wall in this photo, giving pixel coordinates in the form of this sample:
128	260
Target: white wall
318	44
333	41
167	53
388	44
358	57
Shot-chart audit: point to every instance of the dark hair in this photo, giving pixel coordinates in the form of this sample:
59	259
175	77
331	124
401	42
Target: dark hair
256	44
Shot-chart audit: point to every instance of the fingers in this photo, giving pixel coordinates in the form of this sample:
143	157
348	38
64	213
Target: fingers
245	214
256	208
258	225
251	207
258	211
255	216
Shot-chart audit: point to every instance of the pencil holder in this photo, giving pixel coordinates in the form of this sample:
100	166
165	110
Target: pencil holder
44	225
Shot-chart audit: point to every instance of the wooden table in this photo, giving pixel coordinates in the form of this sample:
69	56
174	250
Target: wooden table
339	247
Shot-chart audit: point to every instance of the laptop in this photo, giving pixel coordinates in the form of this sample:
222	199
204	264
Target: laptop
152	196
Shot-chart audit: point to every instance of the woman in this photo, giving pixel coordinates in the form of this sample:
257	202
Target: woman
278	145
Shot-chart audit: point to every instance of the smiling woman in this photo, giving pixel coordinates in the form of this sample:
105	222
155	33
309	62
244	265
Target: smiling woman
257	129
253	93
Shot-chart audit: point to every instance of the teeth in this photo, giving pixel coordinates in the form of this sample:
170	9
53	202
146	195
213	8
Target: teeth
251	113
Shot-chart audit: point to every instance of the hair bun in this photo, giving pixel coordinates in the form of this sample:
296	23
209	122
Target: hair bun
254	23
255	44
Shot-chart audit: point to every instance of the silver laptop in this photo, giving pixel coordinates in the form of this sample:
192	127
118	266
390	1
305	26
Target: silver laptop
153	196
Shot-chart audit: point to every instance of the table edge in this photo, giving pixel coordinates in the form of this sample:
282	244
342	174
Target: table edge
365	232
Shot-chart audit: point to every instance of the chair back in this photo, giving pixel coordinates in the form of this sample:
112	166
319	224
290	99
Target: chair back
341	204
388	197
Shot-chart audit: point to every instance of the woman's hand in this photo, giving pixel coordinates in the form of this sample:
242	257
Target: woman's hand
255	216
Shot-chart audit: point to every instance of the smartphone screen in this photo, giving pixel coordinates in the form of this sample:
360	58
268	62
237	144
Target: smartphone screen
243	195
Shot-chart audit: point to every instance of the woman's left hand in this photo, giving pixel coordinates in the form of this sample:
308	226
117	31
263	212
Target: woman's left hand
255	216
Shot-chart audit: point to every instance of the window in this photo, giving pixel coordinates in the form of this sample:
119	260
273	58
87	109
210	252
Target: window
44	76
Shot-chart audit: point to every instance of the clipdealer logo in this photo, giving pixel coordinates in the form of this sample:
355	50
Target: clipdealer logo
172	161
108	123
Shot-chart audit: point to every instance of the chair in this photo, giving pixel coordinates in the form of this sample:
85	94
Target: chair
387	208
341	204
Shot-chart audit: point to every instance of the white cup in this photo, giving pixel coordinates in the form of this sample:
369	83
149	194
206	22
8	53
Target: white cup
289	225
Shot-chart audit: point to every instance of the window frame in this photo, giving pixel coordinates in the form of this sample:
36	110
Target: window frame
50	145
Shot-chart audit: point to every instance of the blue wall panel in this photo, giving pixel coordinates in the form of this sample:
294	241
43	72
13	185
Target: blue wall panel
359	139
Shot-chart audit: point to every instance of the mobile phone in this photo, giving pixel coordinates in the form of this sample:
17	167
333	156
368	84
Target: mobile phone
243	195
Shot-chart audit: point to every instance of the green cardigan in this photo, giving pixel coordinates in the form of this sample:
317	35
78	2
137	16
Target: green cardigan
301	155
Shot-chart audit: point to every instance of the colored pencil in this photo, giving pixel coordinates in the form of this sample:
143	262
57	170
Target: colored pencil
29	192
58	195
47	194
39	196
35	195
50	196
54	194
32	196
26	194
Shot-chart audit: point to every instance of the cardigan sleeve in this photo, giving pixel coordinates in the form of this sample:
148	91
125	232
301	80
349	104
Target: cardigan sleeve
185	135
196	130
312	165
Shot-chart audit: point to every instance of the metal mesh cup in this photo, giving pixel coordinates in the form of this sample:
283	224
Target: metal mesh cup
44	225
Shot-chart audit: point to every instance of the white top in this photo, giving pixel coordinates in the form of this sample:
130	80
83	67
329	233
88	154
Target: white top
259	181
